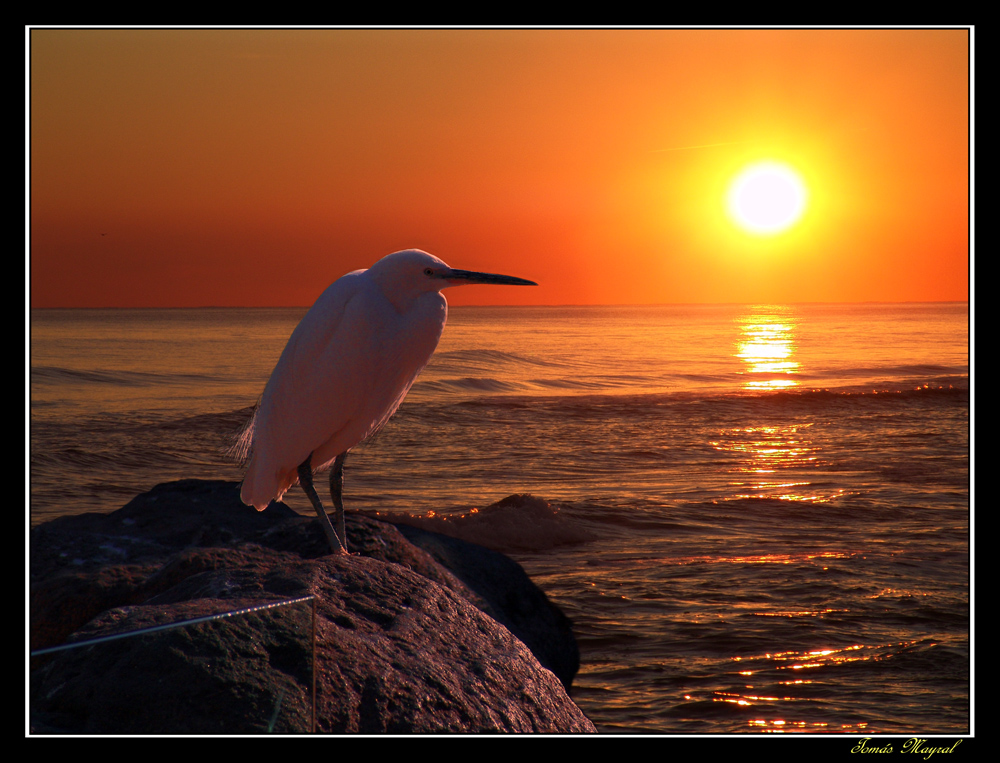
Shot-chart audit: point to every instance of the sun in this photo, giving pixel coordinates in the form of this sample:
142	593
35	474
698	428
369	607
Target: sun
766	198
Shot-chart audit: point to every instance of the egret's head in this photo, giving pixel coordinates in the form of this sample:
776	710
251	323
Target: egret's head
414	270
407	269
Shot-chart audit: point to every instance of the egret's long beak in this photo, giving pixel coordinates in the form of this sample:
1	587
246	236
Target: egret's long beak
470	276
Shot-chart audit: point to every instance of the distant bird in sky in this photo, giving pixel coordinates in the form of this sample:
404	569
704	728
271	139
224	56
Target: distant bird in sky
344	372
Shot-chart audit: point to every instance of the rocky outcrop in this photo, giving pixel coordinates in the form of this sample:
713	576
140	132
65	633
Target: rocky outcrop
414	633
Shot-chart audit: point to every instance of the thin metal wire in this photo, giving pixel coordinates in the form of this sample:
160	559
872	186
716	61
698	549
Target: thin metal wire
313	723
178	624
206	618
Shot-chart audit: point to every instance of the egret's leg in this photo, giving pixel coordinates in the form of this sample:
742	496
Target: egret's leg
306	480
337	494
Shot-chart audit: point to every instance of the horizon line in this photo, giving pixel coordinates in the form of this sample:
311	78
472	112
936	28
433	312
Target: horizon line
560	304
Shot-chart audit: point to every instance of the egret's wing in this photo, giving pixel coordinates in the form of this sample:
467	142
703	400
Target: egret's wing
384	355
310	393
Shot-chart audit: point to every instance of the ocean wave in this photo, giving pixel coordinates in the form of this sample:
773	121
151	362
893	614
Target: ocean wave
627	402
516	523
469	384
568	383
956	388
60	375
902	371
465	359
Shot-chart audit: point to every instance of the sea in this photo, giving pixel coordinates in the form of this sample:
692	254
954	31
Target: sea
758	517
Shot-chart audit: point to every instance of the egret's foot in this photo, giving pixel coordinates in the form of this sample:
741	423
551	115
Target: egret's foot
342	551
305	479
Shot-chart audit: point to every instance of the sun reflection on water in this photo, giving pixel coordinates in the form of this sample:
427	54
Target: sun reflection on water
773	461
766	346
788	700
775	458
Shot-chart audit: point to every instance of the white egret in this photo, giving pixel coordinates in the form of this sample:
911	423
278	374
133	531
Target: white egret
345	370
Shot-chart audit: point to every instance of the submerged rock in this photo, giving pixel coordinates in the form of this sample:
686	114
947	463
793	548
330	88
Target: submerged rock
407	640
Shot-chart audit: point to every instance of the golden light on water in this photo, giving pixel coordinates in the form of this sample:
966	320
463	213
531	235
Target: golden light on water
774	458
770	448
771	693
768	451
766	346
797	558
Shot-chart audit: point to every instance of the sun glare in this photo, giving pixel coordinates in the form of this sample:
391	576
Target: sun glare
766	198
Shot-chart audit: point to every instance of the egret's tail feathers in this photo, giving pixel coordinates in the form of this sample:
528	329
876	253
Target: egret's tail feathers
242	445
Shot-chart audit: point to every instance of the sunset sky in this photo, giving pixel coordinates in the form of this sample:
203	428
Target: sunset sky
177	168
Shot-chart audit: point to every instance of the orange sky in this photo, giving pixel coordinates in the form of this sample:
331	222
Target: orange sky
253	167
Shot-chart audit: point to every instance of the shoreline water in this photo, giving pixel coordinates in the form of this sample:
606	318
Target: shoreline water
815	525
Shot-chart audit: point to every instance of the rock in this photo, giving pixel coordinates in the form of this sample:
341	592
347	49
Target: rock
412	635
509	597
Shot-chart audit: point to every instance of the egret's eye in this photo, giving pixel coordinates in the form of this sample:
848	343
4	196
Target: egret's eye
428	272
